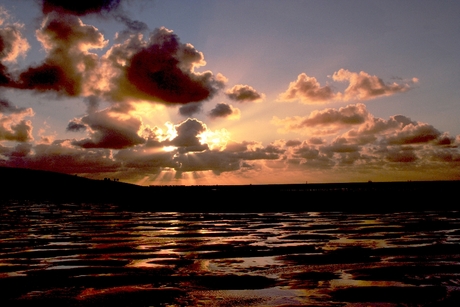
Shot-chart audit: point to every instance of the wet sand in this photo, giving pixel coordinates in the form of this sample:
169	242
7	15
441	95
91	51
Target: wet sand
104	255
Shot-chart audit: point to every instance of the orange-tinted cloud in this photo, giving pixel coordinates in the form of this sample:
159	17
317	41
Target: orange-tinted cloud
12	46
332	119
363	86
308	90
12	43
13	126
243	93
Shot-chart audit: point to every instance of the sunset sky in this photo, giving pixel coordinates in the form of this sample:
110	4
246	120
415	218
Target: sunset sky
231	92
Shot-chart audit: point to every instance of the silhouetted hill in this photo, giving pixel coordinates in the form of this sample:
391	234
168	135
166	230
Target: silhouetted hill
34	185
26	184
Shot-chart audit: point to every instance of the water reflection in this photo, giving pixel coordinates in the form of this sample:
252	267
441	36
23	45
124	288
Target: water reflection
86	254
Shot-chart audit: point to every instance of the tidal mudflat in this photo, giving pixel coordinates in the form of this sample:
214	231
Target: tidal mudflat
104	255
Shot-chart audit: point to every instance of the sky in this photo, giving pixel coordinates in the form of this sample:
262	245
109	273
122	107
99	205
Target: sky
231	92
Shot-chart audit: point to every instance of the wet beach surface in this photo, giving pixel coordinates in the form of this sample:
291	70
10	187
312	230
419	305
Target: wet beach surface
104	255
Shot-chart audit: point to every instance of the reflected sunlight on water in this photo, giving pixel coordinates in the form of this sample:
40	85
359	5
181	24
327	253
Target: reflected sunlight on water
101	254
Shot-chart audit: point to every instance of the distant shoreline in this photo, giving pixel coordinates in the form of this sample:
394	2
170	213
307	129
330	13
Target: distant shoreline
32	185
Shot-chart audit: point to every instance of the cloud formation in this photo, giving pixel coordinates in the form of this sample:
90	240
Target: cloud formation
190	109
367	143
244	93
331	119
69	65
225	110
78	7
13	126
12	43
161	69
308	90
361	87
107	129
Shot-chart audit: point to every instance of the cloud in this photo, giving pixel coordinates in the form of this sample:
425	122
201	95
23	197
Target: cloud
69	65
308	90
145	160
190	108
413	134
78	7
76	125
340	145
60	156
12	43
231	159
243	93
108	129
363	86
187	136
293	143
13	126
330	119
12	46
401	155
7	107
225	110
161	69
370	145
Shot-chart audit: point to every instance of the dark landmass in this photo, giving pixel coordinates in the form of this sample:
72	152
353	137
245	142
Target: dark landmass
34	185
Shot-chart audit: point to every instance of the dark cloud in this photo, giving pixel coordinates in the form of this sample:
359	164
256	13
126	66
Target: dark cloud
5	77
225	161
187	136
190	109
162	70
49	77
69	65
78	7
145	160
61	157
401	155
75	125
7	108
293	143
339	145
413	134
224	110
132	25
244	93
109	130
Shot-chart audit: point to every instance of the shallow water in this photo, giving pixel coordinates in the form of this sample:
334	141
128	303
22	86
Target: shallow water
103	255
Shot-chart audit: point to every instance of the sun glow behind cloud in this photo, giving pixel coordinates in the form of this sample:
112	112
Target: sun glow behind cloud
157	104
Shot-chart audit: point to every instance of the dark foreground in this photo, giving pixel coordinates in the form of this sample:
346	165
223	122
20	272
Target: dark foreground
39	186
104	255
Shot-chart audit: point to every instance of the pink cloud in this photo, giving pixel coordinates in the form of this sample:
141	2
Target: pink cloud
308	90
